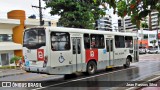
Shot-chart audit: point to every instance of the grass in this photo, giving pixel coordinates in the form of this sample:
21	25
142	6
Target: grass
8	67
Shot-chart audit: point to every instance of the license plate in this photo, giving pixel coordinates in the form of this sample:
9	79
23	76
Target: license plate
33	62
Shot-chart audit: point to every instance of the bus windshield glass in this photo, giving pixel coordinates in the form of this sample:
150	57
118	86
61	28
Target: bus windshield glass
34	38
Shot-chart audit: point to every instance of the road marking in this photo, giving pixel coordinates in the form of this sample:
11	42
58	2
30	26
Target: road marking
81	79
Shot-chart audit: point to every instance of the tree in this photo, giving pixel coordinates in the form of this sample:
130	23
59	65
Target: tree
15	60
83	13
137	9
153	42
77	13
144	25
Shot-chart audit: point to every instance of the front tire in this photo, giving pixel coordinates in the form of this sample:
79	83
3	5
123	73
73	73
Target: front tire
127	65
91	67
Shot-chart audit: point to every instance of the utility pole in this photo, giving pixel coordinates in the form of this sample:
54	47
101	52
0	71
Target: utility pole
40	13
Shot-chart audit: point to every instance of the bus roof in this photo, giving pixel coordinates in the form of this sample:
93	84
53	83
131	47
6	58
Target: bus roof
78	30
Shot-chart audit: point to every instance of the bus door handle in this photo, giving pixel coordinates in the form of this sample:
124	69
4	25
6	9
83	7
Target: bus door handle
70	62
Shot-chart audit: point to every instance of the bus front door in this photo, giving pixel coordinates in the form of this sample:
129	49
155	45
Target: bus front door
76	51
110	54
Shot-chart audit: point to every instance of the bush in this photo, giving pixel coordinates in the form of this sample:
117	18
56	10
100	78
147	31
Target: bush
15	59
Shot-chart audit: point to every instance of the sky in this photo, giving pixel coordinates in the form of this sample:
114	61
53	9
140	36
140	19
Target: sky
26	5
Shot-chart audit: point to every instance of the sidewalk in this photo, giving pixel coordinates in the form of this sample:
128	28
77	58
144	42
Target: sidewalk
10	72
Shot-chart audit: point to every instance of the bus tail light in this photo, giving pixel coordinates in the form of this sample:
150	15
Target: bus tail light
45	61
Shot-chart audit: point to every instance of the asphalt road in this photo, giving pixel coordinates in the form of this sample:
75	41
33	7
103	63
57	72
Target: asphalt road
147	66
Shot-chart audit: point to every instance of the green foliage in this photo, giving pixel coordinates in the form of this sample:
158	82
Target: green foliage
122	8
14	59
153	41
77	13
144	25
8	67
83	13
137	9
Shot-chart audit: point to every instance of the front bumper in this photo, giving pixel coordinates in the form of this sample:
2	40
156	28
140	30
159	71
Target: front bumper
36	69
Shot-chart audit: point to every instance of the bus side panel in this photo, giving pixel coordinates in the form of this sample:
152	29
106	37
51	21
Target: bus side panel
91	54
60	59
103	59
120	55
34	56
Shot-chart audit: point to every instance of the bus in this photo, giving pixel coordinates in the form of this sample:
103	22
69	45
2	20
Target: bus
60	50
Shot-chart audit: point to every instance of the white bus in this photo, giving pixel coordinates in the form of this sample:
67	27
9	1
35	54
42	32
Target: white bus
59	50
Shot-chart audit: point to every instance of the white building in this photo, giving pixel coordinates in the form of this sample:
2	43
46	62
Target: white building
105	23
149	36
7	46
128	26
154	20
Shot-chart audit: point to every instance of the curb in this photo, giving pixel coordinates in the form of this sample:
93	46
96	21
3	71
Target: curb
19	73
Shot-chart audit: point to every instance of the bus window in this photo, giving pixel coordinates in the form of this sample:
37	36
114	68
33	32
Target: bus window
97	41
60	41
86	41
34	38
109	45
119	42
128	42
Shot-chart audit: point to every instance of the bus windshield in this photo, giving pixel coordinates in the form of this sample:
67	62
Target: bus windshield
34	38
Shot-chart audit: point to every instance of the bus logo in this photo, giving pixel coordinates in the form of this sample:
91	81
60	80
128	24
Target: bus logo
92	54
40	54
61	59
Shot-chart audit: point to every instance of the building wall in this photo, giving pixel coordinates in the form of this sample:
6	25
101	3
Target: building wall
154	21
127	23
14	26
18	30
105	23
152	35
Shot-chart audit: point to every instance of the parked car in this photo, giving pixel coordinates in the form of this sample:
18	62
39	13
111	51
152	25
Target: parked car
142	50
153	50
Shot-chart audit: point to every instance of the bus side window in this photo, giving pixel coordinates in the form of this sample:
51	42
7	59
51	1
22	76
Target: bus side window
97	41
60	41
86	41
107	45
119	41
128	41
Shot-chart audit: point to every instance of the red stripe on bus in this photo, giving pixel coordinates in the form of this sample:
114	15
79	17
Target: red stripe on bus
91	54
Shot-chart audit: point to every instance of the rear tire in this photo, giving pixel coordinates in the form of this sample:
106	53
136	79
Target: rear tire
127	65
91	67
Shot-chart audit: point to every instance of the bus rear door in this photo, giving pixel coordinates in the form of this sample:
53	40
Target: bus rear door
110	53
77	54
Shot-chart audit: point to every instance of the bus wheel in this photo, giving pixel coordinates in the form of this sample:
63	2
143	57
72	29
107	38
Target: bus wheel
127	65
91	67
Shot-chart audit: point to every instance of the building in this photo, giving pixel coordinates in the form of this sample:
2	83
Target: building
105	23
146	37
128	26
152	21
11	34
7	44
